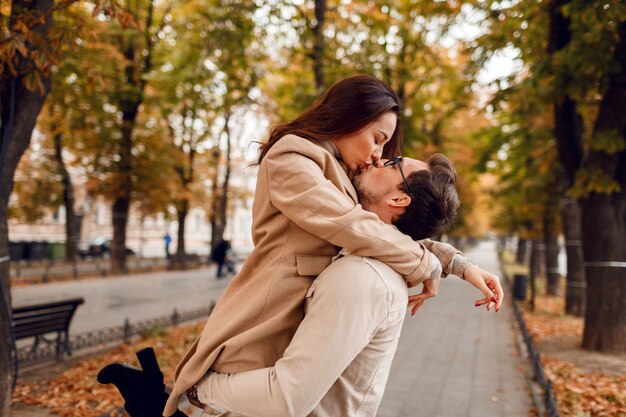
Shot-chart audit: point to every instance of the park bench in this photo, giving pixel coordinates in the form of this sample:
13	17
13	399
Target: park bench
41	319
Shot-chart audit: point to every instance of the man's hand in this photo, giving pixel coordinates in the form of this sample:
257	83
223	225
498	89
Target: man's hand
488	284
431	286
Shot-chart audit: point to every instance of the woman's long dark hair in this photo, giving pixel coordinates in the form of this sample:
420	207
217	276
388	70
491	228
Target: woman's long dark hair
346	107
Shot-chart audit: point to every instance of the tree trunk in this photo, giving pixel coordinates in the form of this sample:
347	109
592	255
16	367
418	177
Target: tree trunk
604	222
568	130
605	316
576	282
7	347
19	109
181	211
553	276
521	254
215	202
71	221
121	203
129	103
317	54
534	262
539	247
223	213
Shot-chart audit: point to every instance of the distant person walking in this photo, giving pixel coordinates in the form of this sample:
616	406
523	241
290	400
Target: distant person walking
222	256
168	239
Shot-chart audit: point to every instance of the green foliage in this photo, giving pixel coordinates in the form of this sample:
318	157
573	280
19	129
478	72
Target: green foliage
580	70
593	180
37	187
609	142
586	64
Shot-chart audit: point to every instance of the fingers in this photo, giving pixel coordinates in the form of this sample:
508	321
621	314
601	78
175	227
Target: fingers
493	282
420	297
416	307
481	302
487	302
499	293
487	292
416	303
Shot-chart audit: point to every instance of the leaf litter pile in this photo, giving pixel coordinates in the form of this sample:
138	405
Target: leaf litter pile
579	393
76	393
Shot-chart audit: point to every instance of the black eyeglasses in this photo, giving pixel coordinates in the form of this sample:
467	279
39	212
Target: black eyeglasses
397	160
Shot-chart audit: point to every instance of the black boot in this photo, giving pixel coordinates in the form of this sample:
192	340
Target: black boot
143	390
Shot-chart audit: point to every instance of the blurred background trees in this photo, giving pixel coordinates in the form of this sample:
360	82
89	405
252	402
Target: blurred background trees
144	101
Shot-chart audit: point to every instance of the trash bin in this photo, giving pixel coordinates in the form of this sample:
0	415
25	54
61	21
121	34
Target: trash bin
16	251
519	286
38	250
56	251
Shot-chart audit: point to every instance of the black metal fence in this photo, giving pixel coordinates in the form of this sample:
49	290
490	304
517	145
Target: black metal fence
545	383
27	355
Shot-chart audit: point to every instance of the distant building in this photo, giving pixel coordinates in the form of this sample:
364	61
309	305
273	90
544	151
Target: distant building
145	237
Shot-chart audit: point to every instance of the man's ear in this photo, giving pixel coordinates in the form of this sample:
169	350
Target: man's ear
399	200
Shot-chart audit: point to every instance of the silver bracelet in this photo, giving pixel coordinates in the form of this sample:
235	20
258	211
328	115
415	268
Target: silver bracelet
463	267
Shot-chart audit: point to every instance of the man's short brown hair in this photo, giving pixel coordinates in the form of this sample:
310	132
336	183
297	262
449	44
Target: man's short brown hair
434	200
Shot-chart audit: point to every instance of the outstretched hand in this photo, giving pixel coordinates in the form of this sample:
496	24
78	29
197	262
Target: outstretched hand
488	284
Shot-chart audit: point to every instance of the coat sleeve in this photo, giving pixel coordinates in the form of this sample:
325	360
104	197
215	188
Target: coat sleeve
299	189
444	252
297	382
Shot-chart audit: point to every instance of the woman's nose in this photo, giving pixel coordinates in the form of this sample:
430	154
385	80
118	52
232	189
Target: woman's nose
376	156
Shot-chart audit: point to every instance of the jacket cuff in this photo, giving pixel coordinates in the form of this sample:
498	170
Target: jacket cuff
456	264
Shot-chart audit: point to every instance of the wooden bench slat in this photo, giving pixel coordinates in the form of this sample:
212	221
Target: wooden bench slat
76	301
21	321
40	310
42	328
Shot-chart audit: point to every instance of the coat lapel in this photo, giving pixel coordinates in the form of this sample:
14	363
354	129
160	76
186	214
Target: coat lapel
348	187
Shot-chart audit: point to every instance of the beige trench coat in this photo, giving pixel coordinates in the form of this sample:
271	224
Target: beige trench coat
305	209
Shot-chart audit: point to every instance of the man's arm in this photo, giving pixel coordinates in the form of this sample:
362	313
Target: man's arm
340	321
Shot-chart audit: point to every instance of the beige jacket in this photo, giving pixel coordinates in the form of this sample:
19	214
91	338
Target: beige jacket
305	208
337	363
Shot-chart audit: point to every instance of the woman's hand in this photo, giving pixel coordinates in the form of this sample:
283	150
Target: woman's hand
430	289
488	284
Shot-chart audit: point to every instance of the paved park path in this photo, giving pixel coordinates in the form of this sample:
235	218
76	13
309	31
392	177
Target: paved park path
108	301
456	360
453	360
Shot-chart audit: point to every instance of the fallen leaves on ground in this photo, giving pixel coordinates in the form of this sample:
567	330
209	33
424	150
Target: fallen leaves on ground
76	393
578	393
548	319
585	394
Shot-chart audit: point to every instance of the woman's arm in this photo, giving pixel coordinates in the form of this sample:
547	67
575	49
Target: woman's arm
444	252
299	189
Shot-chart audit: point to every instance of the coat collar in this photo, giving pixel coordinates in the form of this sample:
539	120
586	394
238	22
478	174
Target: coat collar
330	147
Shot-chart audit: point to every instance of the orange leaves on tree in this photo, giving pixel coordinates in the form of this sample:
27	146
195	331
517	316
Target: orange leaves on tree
33	81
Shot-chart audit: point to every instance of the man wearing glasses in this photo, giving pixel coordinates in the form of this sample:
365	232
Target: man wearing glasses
338	362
